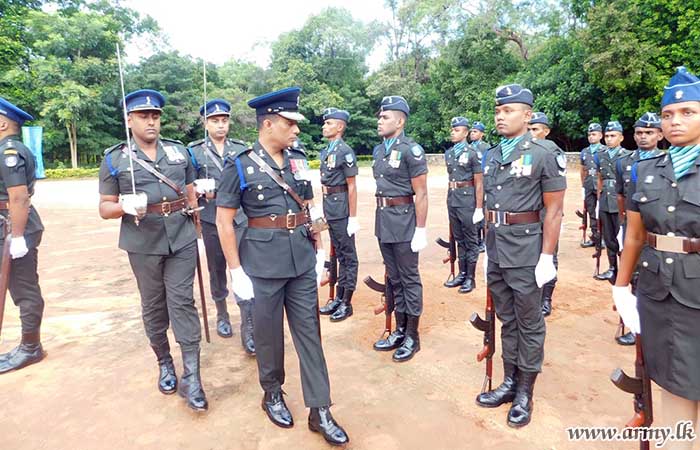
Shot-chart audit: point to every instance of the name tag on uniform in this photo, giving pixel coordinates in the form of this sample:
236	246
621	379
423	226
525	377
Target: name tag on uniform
172	154
395	159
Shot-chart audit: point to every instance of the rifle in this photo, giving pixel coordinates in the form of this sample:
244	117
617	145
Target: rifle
451	247
584	221
332	278
598	248
5	265
640	386
387	303
488	326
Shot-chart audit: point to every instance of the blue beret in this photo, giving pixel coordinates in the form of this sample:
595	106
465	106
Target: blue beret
613	125
216	107
335	113
144	100
648	120
14	113
479	126
284	102
513	93
683	87
459	122
539	117
595	126
395	103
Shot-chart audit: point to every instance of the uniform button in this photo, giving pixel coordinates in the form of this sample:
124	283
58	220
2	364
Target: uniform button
165	198
671	208
380	192
645	264
291	231
673	185
158	167
499	187
260	187
527	231
496	225
381	176
160	181
643	199
496	206
671	233
282	172
669	260
289	211
335	198
501	167
381	207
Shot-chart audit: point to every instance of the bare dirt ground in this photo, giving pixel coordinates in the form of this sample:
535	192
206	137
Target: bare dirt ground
97	387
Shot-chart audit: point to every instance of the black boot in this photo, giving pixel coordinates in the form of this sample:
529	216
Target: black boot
626	339
504	393
332	305
611	273
520	411
345	309
461	276
223	322
470	283
28	352
411	345
247	340
547	291
275	408
396	338
191	382
321	421
167	379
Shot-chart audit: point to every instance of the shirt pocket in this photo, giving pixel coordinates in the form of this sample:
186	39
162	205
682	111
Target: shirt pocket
650	285
647	200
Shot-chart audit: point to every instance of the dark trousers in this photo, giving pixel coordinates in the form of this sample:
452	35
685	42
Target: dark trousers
518	303
465	234
298	297
402	268
216	263
611	226
590	202
345	252
25	291
165	284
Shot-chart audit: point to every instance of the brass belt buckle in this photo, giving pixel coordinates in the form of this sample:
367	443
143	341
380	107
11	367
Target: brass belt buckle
166	208
291	221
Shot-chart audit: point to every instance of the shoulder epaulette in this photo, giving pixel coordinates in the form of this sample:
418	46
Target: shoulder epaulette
172	141
239	142
195	143
115	147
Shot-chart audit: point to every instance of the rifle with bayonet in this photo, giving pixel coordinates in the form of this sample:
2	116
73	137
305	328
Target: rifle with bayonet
451	247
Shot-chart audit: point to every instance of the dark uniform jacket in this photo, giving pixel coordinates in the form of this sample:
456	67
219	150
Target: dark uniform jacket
155	234
535	166
623	170
480	148
337	165
269	252
590	182
606	167
393	171
462	167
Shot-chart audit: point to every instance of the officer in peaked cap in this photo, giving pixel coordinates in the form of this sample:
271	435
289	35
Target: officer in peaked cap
400	170
476	141
589	180
276	261
662	235
17	178
522	175
465	195
158	237
338	172
208	156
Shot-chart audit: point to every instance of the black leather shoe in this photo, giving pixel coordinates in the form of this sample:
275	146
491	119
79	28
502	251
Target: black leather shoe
345	309
411	345
456	281
607	275
587	244
504	393
223	328
482	247
275	408
321	421
396	338
626	339
28	352
191	382
332	305
247	340
520	412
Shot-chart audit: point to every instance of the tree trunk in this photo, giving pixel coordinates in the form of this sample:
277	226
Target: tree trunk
73	142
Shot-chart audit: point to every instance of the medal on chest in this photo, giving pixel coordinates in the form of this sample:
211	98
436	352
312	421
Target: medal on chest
522	167
172	154
395	159
463	158
300	169
330	161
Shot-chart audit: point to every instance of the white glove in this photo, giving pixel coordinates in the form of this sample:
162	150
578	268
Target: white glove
204	185
583	193
320	265
419	241
353	225
18	247
620	239
241	284
200	246
316	213
134	204
626	305
478	215
545	270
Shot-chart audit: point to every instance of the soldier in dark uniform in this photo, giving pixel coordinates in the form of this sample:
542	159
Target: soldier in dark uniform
539	129
159	238
338	172
663	232
208	157
476	136
278	262
589	180
522	175
400	171
17	177
608	212
465	196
